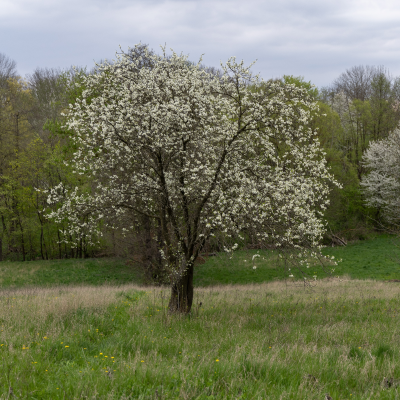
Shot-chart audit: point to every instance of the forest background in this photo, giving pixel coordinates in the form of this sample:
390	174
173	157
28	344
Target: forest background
361	105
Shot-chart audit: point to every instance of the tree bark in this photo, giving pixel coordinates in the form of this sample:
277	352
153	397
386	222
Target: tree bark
41	241
148	251
59	245
182	292
2	234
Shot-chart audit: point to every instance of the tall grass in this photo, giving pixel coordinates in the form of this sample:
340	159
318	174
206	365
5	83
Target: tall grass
264	341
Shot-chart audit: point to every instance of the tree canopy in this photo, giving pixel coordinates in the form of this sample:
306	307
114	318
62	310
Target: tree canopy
199	155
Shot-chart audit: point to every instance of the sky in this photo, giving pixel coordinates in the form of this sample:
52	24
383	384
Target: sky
315	39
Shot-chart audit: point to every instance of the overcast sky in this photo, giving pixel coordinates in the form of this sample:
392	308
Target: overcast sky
311	38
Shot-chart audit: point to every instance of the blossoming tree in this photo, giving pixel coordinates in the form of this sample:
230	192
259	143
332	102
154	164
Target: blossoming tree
382	184
199	155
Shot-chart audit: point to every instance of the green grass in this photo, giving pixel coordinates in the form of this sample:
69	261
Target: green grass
269	341
370	259
79	329
222	270
67	272
377	258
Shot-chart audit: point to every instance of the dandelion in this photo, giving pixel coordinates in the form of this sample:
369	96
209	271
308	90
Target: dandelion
217	360
66	346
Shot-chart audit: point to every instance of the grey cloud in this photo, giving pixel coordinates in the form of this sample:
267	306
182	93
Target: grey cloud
318	40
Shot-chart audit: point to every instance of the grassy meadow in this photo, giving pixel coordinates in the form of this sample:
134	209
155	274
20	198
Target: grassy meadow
94	271
377	258
264	341
86	329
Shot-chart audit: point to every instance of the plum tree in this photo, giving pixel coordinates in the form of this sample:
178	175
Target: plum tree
198	154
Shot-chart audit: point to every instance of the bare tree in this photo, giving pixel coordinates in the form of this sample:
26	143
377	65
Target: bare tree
8	69
355	83
48	92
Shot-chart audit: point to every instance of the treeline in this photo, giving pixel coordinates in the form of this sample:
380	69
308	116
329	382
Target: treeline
32	160
360	106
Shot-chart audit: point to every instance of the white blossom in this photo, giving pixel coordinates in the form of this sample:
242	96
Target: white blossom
201	154
381	185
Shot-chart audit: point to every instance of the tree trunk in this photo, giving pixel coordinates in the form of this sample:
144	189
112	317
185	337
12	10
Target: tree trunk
4	230
148	251
59	245
151	255
23	245
80	249
182	293
45	249
158	259
22	238
41	241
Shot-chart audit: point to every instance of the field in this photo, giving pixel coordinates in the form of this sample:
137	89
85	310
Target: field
370	259
377	258
67	272
275	340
